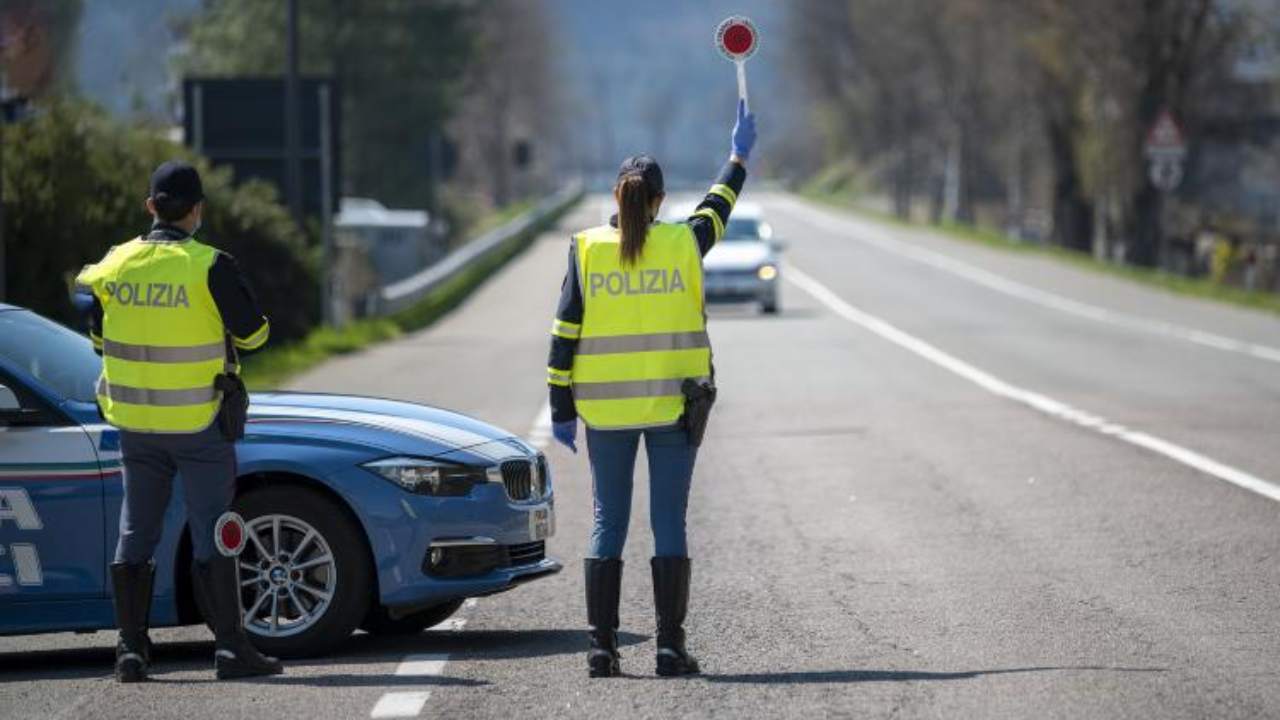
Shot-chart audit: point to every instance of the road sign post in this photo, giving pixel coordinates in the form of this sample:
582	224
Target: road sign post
737	39
1166	149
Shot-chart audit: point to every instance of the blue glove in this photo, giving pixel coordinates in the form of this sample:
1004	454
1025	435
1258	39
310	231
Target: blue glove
744	132
566	433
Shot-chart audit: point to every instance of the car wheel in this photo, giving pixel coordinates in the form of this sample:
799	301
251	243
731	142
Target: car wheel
380	623
770	306
304	572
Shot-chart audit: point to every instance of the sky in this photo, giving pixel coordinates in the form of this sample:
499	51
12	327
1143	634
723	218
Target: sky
122	61
646	77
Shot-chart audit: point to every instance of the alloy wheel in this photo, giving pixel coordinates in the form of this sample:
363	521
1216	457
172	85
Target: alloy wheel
287	576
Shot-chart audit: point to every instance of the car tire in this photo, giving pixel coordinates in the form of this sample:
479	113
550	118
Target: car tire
380	623
337	537
769	307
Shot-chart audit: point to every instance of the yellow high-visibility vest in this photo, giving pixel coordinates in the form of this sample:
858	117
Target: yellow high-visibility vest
644	328
163	340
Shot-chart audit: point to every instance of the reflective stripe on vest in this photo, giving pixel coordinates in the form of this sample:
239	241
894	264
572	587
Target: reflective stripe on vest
628	389
644	343
151	396
163	341
163	354
643	328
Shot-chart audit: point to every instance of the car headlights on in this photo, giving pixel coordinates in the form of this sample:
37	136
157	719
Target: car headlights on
767	272
429	477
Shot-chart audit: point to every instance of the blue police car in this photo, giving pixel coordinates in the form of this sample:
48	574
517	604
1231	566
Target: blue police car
360	512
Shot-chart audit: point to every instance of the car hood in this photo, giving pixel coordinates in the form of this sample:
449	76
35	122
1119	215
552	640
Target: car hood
733	255
392	426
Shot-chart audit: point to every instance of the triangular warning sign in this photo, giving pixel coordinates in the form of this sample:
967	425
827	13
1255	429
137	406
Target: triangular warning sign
1165	134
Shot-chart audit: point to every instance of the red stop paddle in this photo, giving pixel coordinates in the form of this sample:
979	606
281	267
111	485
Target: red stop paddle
737	39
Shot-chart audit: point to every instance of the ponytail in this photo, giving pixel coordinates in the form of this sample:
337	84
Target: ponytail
633	216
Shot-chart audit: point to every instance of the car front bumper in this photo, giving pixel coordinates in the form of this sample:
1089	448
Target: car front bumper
738	286
404	528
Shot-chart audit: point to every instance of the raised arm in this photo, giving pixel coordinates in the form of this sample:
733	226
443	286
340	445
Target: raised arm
709	219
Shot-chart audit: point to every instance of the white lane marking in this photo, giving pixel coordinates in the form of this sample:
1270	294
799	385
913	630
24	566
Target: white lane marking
410	703
400	704
540	431
1043	298
1043	403
425	665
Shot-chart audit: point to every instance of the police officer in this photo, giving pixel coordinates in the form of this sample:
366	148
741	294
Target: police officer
169	315
629	331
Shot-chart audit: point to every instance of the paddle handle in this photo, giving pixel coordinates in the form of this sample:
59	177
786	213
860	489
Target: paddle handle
742	83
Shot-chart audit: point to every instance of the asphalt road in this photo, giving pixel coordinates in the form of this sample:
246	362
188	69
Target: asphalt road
946	481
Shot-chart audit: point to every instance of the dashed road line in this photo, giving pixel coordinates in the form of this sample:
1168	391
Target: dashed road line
425	665
409	703
1061	303
540	432
1037	401
404	704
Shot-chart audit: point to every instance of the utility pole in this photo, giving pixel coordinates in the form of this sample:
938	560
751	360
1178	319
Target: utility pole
292	129
4	120
328	282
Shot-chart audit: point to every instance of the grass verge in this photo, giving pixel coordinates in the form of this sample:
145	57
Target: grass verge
275	365
1169	282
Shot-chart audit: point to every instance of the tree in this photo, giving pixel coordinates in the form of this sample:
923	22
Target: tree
38	41
944	95
512	98
75	182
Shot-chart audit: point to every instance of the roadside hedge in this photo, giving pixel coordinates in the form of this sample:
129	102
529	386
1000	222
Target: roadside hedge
74	185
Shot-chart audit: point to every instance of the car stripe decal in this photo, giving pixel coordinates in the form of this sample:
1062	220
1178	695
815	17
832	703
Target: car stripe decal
58	471
405	426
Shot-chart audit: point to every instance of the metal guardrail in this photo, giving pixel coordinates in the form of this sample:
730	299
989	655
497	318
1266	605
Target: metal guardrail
404	293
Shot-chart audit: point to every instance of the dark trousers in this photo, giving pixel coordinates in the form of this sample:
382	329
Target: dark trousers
205	461
613	462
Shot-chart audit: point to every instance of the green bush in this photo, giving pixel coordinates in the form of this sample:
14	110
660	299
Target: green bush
74	185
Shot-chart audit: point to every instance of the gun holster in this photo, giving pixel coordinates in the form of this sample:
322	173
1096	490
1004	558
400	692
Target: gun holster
234	412
698	399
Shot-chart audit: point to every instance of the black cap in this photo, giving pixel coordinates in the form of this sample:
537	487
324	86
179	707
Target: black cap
647	168
176	183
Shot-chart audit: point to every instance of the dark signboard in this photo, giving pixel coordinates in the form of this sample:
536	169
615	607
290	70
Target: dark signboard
240	122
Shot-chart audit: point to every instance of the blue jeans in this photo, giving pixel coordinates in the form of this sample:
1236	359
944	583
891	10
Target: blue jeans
613	462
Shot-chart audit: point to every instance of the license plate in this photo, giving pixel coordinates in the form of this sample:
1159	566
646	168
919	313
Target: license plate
730	286
542	523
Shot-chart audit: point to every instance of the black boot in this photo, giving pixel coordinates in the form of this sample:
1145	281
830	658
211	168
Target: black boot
217	586
131	588
671	603
604	584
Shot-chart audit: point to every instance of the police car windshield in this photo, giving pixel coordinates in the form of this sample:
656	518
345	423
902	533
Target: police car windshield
742	230
62	360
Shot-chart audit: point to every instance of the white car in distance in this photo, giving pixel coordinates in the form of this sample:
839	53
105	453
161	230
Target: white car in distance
744	267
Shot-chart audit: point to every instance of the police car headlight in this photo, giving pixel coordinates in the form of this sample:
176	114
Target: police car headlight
428	477
767	272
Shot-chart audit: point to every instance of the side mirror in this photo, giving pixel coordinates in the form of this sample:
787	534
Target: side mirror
12	412
778	244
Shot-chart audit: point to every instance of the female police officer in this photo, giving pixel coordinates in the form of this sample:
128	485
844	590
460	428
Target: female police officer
630	329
